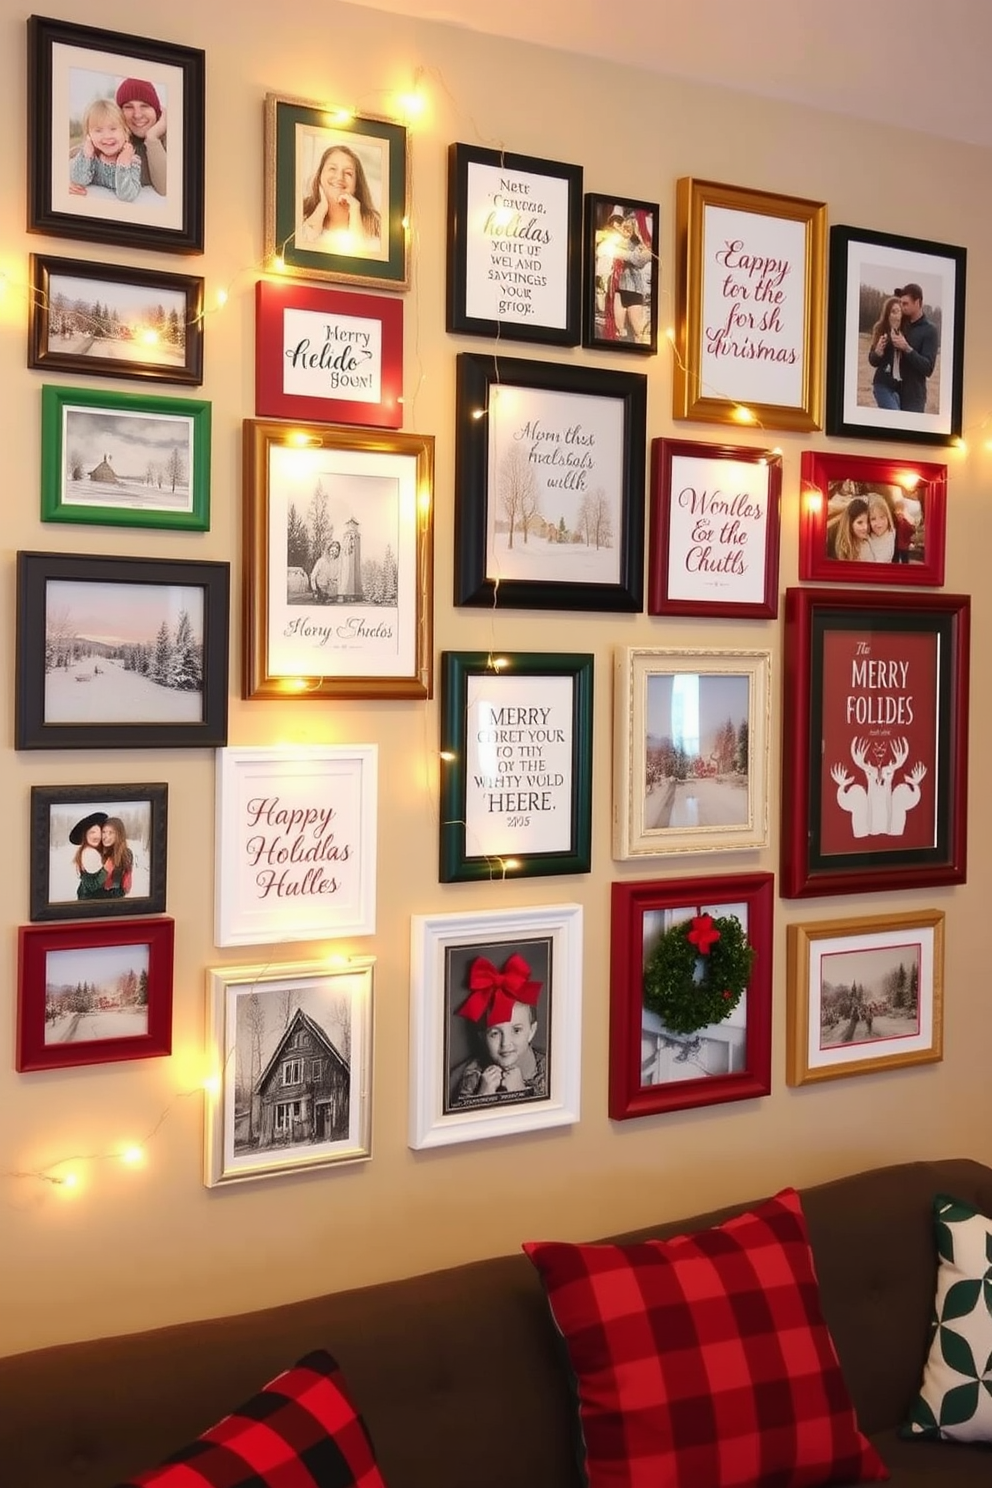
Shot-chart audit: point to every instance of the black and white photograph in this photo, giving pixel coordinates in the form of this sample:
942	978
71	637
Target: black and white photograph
498	1024
294	1045
109	320
97	851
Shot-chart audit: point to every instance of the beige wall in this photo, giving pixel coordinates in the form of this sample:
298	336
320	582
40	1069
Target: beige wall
132	1249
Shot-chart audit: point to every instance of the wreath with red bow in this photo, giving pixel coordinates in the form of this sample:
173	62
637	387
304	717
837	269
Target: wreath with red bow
698	972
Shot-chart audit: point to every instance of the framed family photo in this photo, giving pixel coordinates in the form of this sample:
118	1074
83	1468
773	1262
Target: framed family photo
291	1044
690	753
98	851
690	993
864	995
120	653
328	355
549	483
621	277
714	530
516	763
750	276
514	246
338	594
872	521
108	320
875	775
115	137
94	994
895	352
124	459
296	843
337	189
495	1023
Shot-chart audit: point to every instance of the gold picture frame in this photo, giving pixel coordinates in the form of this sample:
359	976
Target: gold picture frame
880	973
749	348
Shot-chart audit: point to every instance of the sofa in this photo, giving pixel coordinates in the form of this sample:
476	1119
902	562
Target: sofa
446	1366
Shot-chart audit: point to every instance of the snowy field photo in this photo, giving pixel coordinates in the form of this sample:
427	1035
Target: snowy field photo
696	754
98	993
126	459
107	319
869	994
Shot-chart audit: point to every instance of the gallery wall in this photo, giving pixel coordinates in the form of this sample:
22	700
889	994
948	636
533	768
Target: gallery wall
131	1247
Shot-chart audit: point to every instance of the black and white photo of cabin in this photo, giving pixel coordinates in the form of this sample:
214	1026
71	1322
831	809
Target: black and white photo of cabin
129	460
342	543
292	1067
123	653
113	321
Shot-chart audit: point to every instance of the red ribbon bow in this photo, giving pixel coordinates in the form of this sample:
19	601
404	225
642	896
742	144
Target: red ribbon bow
492	993
703	934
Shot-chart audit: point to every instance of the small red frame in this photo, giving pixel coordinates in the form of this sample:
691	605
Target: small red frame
830	481
311	342
631	903
714	550
99	959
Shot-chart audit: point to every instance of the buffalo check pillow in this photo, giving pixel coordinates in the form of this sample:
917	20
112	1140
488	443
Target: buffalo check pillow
704	1361
955	1399
300	1431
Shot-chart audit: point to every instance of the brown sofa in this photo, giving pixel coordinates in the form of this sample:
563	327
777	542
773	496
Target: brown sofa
446	1367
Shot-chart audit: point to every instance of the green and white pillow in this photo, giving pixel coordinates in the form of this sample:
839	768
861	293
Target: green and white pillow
955	1399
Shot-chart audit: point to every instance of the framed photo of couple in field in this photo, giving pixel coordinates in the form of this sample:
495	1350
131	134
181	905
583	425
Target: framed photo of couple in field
115	137
97	850
895	349
864	995
871	521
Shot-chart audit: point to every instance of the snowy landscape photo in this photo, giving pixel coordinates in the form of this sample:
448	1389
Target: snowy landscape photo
96	993
127	459
106	319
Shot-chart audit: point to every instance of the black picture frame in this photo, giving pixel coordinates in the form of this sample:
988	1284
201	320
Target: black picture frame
156	319
532	290
866	268
550	744
60	82
144	809
483	574
45	628
620	233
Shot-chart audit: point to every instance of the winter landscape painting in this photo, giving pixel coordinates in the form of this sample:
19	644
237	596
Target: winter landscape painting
115	321
96	994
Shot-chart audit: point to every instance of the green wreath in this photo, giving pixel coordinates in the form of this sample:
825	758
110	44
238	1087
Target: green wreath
672	987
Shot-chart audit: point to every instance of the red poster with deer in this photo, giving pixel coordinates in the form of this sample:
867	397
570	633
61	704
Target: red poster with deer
879	765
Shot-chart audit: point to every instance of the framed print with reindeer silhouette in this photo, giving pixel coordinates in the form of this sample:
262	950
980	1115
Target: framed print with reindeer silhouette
875	780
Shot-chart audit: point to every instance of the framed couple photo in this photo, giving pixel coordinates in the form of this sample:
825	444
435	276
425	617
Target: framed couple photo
115	137
97	851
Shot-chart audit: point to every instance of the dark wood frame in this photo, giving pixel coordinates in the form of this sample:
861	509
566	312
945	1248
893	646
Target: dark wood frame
43	798
477	375
461	158
897	426
43	217
35	570
819	469
457	863
809	615
55	400
45	268
594	205
664	452
33	945
629	904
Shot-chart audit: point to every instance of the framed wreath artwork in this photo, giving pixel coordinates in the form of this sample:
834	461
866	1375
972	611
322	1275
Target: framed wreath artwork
690	993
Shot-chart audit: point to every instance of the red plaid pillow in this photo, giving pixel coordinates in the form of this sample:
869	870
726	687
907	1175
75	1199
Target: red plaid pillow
300	1431
704	1361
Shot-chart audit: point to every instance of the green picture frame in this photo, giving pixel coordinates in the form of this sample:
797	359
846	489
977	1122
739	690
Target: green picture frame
124	459
516	761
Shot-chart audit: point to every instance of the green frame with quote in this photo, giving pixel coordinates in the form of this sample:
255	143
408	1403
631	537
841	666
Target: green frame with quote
538	709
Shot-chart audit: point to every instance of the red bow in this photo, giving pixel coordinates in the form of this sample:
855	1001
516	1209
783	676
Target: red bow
492	993
703	934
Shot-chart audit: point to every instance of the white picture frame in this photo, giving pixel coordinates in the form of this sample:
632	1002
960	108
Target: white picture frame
446	951
296	843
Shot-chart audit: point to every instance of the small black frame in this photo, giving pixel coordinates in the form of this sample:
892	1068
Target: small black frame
61	803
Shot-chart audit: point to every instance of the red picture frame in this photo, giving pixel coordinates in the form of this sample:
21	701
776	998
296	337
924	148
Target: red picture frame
902	504
94	993
875	769
652	1069
317	351
715	514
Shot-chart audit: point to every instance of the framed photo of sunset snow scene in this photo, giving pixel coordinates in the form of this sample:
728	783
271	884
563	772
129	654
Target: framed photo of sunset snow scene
549	485
124	459
120	653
